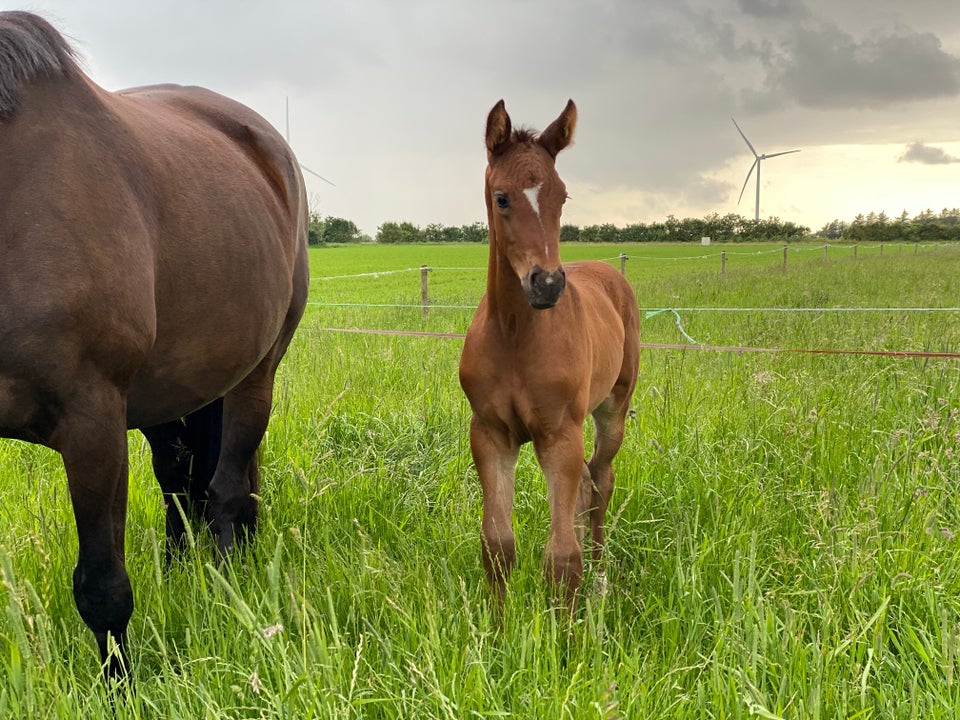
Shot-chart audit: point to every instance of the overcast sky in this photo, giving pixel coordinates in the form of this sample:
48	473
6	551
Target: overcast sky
388	98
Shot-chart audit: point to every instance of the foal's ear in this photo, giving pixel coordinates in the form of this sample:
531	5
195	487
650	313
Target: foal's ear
559	134
498	129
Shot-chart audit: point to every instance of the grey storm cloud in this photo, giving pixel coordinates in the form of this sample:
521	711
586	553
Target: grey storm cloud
822	66
789	9
917	152
381	89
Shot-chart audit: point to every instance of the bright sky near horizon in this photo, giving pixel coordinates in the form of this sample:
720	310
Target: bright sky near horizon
388	98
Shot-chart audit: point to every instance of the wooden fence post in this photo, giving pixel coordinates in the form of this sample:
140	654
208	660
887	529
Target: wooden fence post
424	297
881	248
825	251
784	257
623	264
723	261
855	251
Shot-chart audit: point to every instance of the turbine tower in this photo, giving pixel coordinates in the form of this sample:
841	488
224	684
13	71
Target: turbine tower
302	166
756	164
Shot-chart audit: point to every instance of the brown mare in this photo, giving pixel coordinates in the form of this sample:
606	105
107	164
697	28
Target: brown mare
153	269
550	343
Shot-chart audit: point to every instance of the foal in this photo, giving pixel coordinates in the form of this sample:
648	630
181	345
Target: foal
549	344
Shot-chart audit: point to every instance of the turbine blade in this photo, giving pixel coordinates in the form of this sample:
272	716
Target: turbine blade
315	173
749	173
785	152
749	145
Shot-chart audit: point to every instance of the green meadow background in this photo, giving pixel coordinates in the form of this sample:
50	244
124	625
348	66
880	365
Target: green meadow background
782	542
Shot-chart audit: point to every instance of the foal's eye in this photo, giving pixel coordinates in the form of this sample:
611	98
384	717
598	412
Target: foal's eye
503	202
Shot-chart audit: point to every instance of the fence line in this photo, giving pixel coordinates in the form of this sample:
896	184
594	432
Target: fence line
425	304
649	313
672	309
676	346
623	257
374	274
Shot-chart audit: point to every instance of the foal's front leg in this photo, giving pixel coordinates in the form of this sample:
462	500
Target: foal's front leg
561	458
495	456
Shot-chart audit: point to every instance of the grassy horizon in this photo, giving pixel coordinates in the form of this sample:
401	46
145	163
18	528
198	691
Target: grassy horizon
782	541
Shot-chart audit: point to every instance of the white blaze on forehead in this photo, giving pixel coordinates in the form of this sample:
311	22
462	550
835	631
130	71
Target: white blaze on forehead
533	194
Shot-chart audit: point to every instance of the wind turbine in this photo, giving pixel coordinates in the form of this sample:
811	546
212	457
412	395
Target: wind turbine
756	164
304	167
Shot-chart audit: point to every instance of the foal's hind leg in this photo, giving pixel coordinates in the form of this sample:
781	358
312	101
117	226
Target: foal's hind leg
609	420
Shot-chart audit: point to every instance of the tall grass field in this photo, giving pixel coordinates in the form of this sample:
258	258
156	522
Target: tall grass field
783	540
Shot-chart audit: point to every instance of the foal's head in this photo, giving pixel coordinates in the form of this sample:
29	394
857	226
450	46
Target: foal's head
525	197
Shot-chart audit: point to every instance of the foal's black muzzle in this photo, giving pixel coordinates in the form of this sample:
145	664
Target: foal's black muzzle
544	287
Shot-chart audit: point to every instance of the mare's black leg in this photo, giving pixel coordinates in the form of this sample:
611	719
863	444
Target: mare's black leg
92	438
203	436
185	454
171	465
232	506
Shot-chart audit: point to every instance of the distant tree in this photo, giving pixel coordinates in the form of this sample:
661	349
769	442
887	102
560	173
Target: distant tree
391	233
833	230
476	232
441	233
315	229
433	233
950	217
605	233
339	230
632	233
671	229
450	234
569	233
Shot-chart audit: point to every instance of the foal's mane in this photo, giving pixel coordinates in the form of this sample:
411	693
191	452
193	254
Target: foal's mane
525	134
30	49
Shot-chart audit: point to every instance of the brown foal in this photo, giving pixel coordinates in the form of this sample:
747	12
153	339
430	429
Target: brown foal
550	344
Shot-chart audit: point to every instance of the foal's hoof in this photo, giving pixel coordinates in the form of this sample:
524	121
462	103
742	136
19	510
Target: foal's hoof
600	586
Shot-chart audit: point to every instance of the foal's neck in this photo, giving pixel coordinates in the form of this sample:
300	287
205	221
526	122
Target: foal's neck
506	301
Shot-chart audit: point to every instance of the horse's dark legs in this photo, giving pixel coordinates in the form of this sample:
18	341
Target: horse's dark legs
185	454
495	456
232	504
171	465
93	443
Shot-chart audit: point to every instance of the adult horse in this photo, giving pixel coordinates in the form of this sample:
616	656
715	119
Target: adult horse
550	343
153	267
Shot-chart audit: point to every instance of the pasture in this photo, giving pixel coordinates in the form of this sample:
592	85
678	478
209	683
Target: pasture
782	541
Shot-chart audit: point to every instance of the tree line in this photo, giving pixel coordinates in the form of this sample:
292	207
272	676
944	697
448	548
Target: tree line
925	227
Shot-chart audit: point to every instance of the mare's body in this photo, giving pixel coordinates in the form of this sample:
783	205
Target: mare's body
152	265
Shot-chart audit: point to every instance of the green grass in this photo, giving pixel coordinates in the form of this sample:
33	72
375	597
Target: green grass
783	539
